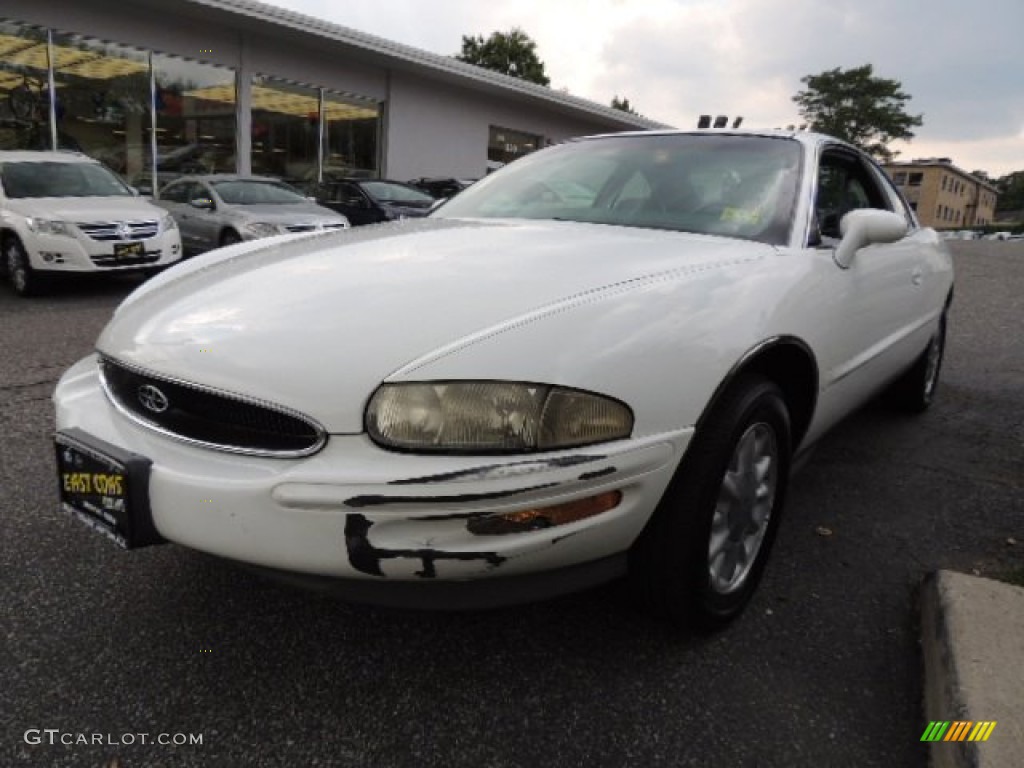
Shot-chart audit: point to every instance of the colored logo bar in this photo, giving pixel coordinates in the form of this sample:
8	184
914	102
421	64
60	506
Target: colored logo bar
958	730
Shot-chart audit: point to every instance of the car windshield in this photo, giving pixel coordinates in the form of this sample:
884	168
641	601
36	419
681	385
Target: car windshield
57	179
719	184
390	192
249	192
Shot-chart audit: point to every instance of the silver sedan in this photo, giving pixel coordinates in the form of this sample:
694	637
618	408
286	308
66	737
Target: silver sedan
222	209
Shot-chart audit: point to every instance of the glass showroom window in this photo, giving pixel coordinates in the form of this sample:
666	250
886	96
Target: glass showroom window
505	145
24	88
286	132
102	106
352	128
195	117
285	129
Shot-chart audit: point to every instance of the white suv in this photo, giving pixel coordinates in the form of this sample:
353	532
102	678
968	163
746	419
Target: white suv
65	212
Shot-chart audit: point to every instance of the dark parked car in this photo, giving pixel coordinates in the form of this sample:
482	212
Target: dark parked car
368	201
441	188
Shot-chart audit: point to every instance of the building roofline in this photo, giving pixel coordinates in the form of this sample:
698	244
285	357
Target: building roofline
405	54
940	162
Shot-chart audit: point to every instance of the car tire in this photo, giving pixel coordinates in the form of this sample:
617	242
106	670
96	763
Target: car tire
24	279
914	392
229	237
701	556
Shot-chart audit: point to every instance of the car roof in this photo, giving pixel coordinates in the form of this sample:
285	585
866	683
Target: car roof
355	180
364	180
212	177
804	137
45	156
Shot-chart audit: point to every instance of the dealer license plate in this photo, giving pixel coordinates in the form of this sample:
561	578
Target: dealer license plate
129	250
105	487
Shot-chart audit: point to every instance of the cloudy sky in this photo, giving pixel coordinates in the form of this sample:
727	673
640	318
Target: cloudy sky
962	62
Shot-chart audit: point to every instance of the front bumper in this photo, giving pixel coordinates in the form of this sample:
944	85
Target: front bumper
356	512
79	253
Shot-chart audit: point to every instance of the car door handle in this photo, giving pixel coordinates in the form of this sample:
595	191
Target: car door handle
916	276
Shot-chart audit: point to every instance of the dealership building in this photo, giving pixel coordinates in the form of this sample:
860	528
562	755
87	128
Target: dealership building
236	85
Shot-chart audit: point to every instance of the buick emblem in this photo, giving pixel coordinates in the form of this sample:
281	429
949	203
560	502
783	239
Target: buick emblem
124	232
152	399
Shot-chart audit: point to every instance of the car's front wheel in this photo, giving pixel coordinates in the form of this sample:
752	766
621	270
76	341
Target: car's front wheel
229	237
915	390
24	279
701	556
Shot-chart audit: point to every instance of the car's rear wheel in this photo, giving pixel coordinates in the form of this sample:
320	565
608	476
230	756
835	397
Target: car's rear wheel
25	280
229	237
915	390
701	556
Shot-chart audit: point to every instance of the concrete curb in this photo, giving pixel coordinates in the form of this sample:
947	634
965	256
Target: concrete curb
972	643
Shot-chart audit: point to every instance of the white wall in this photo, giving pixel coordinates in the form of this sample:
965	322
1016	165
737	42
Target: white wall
439	129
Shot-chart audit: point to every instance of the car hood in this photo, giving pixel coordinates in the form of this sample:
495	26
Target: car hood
316	323
297	213
85	209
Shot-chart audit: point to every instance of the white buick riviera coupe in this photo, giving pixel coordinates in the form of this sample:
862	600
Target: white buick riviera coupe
601	360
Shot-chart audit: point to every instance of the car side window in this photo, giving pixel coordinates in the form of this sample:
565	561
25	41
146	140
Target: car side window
199	191
171	193
349	193
844	184
897	202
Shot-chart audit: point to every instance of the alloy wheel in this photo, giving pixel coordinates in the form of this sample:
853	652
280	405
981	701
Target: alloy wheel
743	508
933	360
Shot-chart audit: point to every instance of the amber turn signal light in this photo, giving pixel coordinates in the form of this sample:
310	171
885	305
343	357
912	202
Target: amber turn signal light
544	517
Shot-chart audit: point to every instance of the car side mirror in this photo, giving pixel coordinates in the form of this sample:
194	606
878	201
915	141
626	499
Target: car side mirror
356	202
203	203
867	226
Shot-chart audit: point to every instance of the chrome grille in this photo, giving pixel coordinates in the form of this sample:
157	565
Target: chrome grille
313	227
120	231
208	417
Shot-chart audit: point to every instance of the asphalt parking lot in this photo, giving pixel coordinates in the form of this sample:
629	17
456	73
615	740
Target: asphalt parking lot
824	669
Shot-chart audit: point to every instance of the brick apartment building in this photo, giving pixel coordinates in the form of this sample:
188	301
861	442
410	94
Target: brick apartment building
944	196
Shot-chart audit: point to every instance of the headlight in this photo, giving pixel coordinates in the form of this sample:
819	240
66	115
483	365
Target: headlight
167	223
48	226
492	417
261	229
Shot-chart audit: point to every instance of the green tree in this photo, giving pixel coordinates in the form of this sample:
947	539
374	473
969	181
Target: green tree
623	104
1011	192
854	105
513	53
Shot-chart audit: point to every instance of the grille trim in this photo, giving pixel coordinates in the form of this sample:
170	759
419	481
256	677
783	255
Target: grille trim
329	227
106	231
315	435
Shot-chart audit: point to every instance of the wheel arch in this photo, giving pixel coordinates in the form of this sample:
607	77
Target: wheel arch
790	364
8	232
